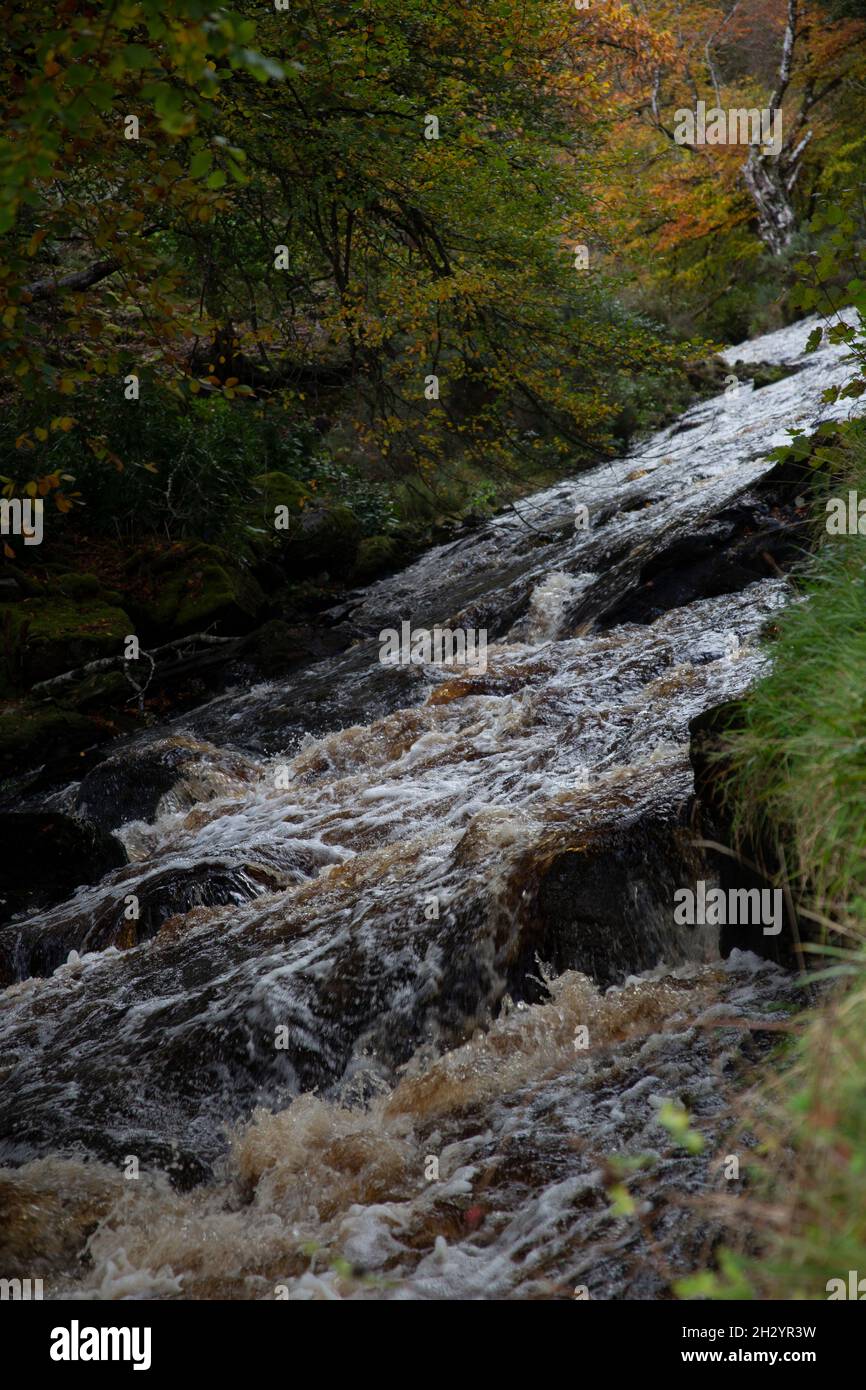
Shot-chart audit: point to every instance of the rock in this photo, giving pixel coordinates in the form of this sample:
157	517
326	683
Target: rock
276	489
33	735
605	906
98	689
375	554
84	586
758	534
38	948
132	784
709	754
192	586
321	536
46	856
44	637
278	647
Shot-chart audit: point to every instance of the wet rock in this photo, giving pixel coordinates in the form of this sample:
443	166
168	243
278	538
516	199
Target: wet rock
46	856
38	948
749	864
605	906
131	784
759	535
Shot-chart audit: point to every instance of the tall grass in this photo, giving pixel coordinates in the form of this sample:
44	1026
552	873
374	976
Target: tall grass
798	781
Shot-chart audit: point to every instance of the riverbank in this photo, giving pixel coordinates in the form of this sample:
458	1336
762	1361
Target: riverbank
796	786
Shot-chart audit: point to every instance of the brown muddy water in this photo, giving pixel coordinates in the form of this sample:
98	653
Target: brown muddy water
405	988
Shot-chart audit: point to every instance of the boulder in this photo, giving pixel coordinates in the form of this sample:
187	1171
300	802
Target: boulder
321	535
46	856
376	554
192	586
131	784
43	637
750	864
34	735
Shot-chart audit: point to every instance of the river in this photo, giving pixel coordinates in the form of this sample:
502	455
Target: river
405	986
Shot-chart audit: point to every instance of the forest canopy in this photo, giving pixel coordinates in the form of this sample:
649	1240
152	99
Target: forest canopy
394	240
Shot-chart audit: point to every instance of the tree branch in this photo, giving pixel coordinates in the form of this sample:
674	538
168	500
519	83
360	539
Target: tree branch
78	280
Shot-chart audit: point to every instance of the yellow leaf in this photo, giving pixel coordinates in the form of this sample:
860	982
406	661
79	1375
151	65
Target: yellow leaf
8	551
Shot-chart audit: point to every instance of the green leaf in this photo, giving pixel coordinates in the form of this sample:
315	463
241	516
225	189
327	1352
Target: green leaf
200	163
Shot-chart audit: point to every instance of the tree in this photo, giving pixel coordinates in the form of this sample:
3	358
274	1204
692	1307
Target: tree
703	224
332	201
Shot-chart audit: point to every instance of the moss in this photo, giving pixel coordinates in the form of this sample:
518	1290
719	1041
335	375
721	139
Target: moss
193	586
43	637
279	490
77	585
39	733
85	586
317	535
375	554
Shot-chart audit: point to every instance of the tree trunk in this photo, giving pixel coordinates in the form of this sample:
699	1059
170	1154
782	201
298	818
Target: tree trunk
768	185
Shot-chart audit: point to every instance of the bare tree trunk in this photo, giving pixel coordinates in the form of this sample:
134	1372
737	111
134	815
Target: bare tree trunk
765	178
770	178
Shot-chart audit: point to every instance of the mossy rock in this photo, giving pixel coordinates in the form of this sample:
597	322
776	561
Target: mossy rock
77	585
274	490
85	586
43	637
33	734
193	586
277	490
312	535
375	554
326	539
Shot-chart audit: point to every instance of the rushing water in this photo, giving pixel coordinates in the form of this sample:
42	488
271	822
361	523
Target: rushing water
343	1047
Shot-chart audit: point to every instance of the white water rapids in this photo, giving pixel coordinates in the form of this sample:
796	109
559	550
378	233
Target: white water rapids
362	1046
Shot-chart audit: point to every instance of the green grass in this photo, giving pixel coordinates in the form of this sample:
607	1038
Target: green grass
800	763
799	782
